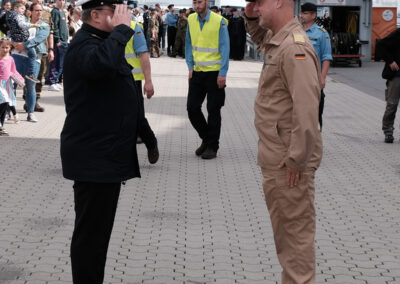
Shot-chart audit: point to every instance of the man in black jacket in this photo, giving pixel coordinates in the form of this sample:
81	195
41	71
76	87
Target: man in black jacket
389	50
98	141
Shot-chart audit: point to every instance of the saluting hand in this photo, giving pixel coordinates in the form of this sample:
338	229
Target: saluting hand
293	176
122	16
249	11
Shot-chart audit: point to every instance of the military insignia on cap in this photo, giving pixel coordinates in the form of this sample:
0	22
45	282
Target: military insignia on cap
300	56
87	4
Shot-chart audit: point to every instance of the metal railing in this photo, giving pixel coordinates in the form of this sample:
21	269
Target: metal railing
252	50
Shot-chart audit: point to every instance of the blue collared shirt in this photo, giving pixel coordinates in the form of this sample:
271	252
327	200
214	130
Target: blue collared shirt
172	20
321	42
139	41
224	47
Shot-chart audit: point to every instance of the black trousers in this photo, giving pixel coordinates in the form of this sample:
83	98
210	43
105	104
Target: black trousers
321	108
3	111
95	207
144	130
171	33
13	110
201	85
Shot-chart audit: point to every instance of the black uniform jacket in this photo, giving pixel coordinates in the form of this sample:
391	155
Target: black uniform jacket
389	50
98	141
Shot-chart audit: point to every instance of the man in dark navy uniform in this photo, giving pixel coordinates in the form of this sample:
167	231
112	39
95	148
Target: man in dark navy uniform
98	141
321	42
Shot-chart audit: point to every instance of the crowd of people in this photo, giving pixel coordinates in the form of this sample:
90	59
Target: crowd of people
34	40
161	24
37	49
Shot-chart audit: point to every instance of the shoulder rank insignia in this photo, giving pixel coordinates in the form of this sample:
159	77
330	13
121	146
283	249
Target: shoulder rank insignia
95	36
322	29
298	38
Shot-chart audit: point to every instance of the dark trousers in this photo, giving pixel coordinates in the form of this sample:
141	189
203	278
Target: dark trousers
392	95
321	108
42	72
179	47
144	130
201	85
95	207
171	39
56	66
3	111
13	110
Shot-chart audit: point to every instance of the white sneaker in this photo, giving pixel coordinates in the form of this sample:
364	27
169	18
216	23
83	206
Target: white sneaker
54	88
60	87
31	117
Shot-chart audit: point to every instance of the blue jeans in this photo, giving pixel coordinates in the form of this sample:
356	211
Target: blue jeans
22	64
56	66
32	60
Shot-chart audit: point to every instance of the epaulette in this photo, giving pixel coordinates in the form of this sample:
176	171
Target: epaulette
322	29
95	36
298	38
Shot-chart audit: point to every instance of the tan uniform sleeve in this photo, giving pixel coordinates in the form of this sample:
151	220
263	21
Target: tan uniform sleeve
257	33
301	75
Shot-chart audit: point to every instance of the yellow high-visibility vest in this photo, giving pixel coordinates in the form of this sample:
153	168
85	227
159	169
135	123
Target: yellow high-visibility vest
205	42
132	58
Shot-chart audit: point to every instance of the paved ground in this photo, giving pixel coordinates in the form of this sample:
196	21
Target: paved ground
194	221
366	79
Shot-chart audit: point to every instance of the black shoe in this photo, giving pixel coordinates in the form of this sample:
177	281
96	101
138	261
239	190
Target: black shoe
153	155
389	138
201	149
209	154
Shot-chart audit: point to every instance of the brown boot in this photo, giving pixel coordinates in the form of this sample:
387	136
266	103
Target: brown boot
39	108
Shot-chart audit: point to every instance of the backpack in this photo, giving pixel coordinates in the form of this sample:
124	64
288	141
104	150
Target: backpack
4	28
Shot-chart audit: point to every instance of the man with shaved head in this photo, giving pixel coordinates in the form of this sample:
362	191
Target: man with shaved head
290	144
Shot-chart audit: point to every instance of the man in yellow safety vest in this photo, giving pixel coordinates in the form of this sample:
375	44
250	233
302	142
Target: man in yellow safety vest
136	54
207	56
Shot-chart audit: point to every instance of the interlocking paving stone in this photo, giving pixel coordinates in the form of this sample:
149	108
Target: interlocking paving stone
193	221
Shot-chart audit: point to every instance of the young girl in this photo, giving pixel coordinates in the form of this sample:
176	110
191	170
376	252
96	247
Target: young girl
7	95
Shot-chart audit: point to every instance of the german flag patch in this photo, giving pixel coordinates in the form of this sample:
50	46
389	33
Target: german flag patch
300	56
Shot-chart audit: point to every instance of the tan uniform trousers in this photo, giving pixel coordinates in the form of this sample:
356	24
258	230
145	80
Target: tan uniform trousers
292	216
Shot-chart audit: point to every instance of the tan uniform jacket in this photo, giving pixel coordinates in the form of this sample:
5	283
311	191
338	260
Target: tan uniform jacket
286	106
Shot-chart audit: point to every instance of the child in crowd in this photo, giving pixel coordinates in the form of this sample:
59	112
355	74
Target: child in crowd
19	32
7	71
